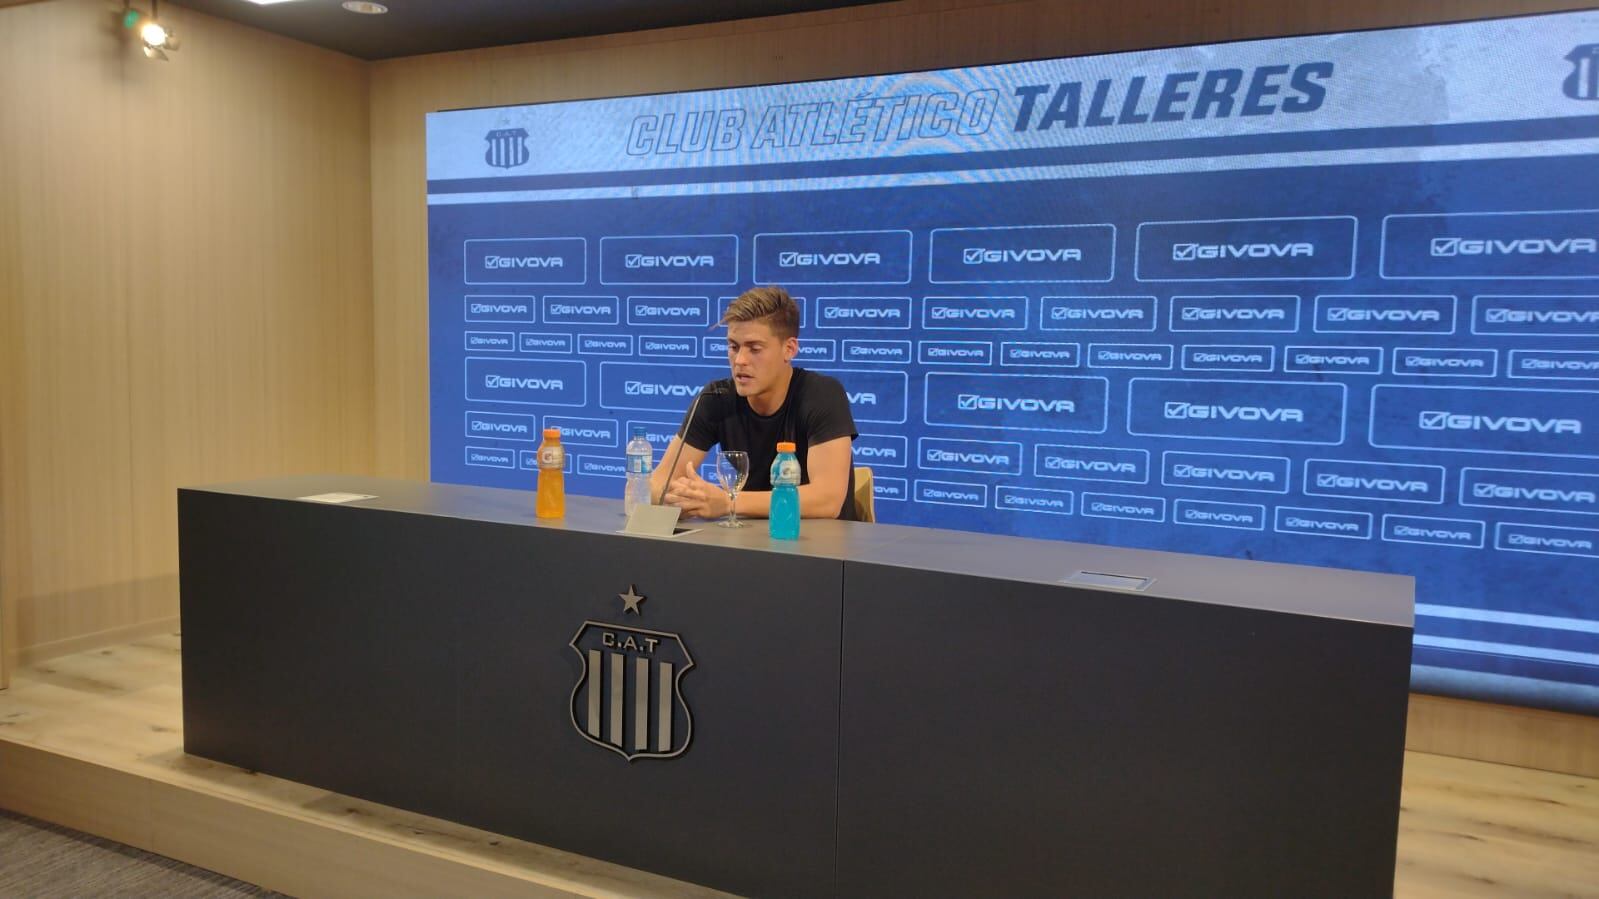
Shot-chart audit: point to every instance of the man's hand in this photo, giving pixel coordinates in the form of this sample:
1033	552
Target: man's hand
697	497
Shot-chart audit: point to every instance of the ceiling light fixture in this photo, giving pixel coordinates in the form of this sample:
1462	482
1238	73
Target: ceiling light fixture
361	6
156	38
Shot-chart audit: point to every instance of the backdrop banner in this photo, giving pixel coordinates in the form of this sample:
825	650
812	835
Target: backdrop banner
1329	300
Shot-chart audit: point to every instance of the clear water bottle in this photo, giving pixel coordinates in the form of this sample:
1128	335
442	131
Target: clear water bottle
640	458
784	518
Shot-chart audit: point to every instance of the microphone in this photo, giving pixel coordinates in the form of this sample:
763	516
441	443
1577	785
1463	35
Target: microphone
709	390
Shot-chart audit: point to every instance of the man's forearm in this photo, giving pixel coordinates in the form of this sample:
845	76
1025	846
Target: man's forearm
814	503
754	504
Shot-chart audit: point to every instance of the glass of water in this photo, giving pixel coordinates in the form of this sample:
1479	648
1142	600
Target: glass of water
732	470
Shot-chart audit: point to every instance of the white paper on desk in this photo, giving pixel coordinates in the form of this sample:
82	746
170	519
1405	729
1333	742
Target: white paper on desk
655	521
337	497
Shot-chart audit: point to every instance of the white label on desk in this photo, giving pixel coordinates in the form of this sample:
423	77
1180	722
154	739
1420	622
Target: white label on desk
337	497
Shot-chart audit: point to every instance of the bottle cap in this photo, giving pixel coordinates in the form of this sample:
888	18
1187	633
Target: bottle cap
552	433
785	446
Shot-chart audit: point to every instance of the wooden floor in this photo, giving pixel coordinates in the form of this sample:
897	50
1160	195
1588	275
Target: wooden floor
93	741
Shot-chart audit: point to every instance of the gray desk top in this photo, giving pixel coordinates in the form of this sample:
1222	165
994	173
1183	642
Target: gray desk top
1270	586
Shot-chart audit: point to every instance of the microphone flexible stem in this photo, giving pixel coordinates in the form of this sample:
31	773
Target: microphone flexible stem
682	435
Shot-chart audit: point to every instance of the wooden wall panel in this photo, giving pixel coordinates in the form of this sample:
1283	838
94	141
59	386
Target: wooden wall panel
187	271
1528	738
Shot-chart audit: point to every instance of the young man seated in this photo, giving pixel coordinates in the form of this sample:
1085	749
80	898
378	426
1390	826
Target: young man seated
765	401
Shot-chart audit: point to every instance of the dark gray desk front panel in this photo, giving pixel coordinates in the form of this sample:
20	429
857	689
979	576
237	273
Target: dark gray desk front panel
876	710
750	805
424	662
1111	744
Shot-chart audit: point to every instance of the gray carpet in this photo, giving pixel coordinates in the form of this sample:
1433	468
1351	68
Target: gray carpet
42	861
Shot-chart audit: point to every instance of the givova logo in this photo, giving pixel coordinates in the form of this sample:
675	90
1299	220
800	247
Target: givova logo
1073	313
582	309
971	456
1097	466
971	313
514	262
1557	543
498	427
789	259
498	309
953	352
1498	315
680	260
898	350
573	432
1441	420
500	382
1186	471
1261	411
1519	246
1440	361
1222	313
1195	252
1490	490
1251	357
523	381
984	256
1016	402
1206	411
1191	513
965	457
977	402
657	388
1330	481
867	313
1254	312
1406	316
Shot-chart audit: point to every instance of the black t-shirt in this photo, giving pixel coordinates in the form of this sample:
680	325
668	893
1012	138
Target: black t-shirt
815	411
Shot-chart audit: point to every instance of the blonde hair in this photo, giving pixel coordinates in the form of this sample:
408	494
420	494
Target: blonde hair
770	304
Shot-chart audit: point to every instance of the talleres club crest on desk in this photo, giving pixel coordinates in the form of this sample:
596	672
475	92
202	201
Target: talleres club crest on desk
629	698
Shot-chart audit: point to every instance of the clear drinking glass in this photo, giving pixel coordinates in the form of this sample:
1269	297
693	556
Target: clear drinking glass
732	470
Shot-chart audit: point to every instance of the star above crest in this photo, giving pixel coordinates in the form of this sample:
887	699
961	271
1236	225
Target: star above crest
630	600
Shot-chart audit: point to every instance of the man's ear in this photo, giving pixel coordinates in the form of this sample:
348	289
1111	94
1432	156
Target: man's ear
790	348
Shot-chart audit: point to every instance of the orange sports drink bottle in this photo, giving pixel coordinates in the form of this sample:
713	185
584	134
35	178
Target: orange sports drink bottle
551	502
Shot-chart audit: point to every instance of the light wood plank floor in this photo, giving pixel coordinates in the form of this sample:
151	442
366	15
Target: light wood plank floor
1466	829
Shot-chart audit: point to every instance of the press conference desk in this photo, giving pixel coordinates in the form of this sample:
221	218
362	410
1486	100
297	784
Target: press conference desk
875	711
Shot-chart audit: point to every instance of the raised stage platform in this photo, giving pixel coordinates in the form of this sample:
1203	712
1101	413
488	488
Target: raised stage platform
93	741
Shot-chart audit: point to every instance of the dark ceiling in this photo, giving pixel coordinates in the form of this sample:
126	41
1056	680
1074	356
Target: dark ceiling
411	27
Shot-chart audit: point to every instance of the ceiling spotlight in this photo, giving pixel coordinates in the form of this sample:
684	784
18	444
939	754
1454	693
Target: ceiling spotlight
361	6
154	35
155	38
